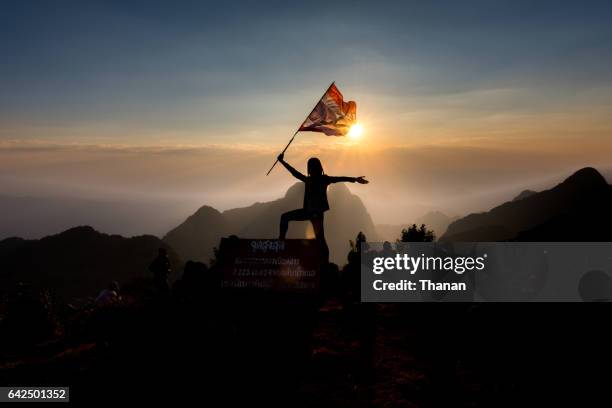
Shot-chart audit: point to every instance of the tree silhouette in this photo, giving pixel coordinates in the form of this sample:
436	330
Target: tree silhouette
417	234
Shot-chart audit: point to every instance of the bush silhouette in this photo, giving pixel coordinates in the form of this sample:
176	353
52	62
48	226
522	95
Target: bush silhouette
417	234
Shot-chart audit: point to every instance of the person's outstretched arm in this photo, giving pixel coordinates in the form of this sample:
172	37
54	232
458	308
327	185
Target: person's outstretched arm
341	179
294	172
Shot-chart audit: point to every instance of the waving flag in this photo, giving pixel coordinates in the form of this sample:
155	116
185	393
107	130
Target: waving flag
332	115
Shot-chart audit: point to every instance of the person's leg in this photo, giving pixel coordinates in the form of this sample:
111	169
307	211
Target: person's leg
295	215
319	231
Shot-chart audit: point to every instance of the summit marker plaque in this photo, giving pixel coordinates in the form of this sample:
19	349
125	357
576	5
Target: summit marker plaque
290	265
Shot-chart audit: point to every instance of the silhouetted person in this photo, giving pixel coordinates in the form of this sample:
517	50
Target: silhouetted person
357	247
194	282
109	296
315	200
352	270
189	272
160	267
361	317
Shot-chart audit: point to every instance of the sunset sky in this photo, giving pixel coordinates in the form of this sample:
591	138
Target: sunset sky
463	104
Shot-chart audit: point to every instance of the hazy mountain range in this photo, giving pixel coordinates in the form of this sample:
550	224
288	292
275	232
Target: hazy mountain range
78	262
578	209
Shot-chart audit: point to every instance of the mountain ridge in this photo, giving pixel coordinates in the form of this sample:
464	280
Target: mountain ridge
583	195
79	261
347	216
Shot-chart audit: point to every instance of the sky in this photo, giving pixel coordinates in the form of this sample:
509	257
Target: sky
463	103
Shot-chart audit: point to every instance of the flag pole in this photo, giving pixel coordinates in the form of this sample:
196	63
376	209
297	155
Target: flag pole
284	150
296	132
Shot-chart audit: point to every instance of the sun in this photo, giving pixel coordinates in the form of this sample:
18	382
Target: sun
356	131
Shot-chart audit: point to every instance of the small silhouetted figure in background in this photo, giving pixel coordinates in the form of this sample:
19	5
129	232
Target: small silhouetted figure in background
196	281
351	273
109	296
160	267
360	244
360	317
315	200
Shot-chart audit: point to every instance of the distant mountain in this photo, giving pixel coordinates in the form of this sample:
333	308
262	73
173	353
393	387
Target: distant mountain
435	220
200	233
196	237
578	209
77	262
524	194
